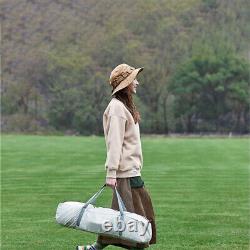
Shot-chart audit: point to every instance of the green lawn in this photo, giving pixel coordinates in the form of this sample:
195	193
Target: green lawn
199	187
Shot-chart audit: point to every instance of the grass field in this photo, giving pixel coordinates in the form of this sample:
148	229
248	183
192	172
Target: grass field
200	190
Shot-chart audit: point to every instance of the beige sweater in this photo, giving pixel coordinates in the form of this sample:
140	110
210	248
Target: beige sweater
123	142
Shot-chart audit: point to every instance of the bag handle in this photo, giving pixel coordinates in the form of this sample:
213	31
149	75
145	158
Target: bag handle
120	201
93	199
121	207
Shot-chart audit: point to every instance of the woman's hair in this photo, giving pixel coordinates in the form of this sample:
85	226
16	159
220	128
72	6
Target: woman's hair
125	96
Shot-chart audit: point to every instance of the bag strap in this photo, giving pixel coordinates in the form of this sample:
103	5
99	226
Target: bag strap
122	207
120	201
92	200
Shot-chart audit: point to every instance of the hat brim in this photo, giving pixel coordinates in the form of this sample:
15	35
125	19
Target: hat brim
127	80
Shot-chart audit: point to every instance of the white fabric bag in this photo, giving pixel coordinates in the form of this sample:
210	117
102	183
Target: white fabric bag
104	221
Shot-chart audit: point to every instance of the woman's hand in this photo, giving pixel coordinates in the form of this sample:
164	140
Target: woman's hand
111	182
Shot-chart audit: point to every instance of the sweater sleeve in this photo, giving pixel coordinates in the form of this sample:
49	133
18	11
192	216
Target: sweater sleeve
115	137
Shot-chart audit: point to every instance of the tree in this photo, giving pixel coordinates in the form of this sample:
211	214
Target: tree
211	93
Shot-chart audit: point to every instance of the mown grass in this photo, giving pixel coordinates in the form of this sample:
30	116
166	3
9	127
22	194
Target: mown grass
199	187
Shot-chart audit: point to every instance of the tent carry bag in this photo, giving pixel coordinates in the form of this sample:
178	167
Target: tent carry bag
104	221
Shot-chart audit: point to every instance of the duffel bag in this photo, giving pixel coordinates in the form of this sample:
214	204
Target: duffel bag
104	221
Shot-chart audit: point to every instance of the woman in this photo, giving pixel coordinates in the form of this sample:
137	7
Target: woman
124	155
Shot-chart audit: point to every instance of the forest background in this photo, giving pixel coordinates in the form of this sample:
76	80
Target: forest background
57	56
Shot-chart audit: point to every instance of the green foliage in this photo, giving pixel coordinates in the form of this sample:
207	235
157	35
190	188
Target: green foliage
212	89
58	57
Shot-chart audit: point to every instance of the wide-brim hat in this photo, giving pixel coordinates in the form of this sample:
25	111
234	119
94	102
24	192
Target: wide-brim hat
123	75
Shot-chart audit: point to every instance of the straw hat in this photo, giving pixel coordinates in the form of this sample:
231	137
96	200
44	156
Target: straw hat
122	75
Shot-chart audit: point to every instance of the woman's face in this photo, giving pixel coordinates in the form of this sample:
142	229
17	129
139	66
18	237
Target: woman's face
134	85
